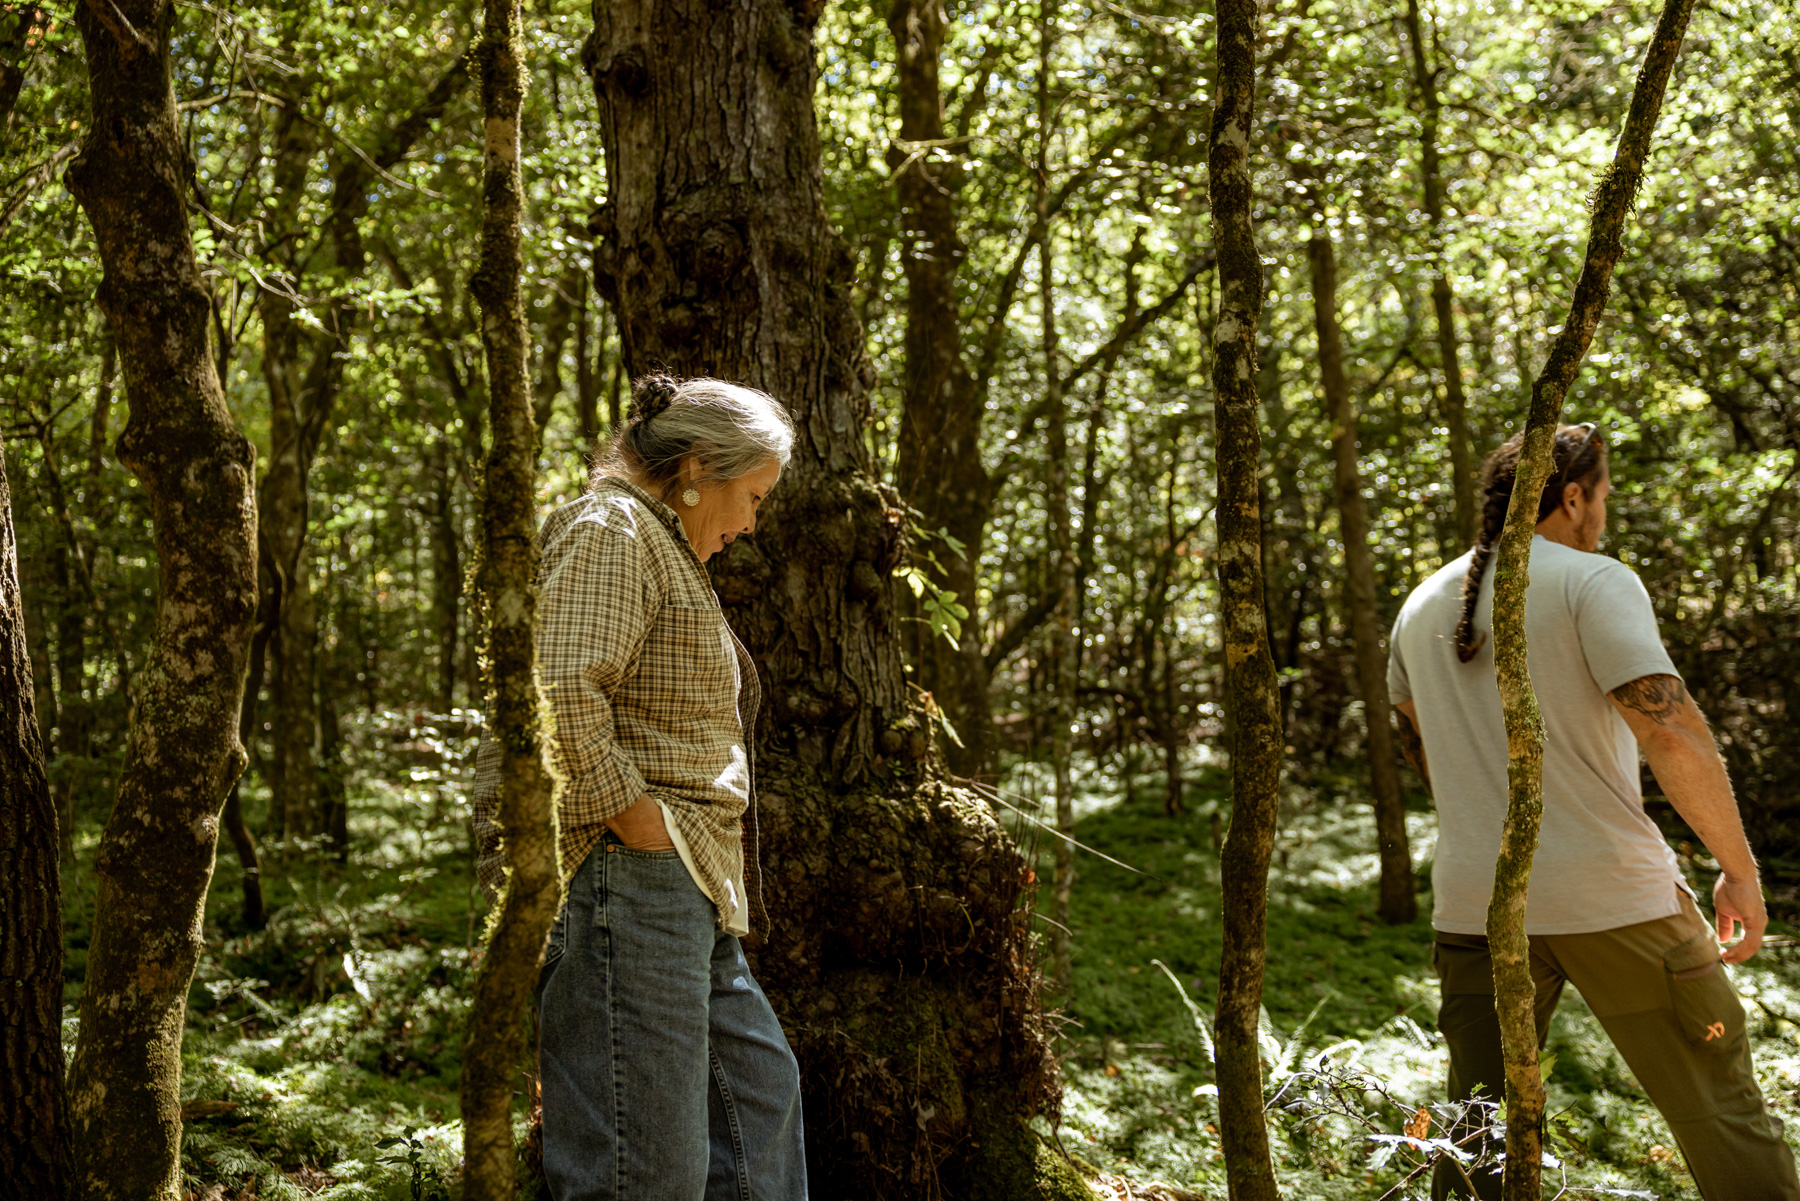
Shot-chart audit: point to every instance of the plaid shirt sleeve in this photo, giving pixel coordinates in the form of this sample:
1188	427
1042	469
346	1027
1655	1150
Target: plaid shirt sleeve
599	601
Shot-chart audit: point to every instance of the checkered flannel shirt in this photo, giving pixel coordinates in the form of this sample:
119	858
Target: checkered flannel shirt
650	692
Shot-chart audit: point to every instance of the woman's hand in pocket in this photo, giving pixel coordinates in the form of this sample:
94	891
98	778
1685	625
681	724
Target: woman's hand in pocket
641	827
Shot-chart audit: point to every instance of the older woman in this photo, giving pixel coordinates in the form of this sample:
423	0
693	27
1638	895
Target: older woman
666	1076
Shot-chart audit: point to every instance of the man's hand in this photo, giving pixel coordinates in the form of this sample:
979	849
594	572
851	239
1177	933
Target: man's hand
1412	742
641	827
1740	903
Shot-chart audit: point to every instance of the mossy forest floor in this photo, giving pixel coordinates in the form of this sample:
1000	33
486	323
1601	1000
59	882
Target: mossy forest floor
338	1028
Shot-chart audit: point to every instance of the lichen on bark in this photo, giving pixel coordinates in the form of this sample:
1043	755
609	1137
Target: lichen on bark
494	1044
1514	992
182	755
1249	666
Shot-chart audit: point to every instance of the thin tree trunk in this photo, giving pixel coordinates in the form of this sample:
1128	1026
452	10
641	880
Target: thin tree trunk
495	1043
156	855
34	1107
587	368
938	467
446	570
1061	664
300	412
558	318
1443	300
254	912
1250	670
893	919
1397	903
1514	993
281	532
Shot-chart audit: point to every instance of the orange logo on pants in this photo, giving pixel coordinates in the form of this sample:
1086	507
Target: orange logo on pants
1716	1030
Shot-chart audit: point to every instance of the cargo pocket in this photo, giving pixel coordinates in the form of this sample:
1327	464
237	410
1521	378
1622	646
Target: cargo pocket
1705	1003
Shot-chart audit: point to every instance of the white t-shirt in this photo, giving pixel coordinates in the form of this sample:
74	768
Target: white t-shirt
1601	862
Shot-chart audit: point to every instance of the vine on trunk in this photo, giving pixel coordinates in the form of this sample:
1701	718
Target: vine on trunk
1514	993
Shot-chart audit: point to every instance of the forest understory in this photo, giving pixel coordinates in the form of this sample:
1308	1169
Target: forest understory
322	1053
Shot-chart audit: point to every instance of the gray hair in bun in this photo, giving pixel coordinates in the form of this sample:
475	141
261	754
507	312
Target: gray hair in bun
730	428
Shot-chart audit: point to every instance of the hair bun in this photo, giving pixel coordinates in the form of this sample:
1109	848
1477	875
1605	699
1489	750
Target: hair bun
651	395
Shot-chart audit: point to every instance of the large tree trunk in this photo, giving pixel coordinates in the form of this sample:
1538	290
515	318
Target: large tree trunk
494	1044
1397	901
34	1108
1443	300
1250	669
156	855
897	957
939	470
1514	992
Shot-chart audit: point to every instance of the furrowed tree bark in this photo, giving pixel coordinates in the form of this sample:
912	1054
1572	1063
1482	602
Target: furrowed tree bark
1397	901
1443	299
896	955
34	1106
939	469
182	755
1514	993
1249	667
495	1043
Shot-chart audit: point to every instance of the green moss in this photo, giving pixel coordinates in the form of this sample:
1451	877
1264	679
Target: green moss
1009	1162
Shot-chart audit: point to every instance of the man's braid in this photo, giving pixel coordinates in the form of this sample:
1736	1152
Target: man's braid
1578	458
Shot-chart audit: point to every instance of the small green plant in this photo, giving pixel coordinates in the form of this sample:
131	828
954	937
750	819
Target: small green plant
427	1181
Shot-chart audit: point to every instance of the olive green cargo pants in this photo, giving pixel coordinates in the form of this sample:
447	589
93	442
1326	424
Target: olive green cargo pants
1663	997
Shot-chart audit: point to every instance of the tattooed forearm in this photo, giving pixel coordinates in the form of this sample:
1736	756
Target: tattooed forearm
1413	747
1657	697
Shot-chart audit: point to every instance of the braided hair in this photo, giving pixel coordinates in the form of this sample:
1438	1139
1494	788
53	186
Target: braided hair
1579	457
731	429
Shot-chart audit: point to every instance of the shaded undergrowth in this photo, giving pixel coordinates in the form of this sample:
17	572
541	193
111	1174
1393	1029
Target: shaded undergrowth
1341	984
322	1053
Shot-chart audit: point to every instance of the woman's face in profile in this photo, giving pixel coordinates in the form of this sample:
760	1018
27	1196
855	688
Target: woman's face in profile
727	509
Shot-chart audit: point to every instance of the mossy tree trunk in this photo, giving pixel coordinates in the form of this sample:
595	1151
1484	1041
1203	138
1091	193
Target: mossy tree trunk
1249	667
34	1107
897	957
1397	901
182	755
1443	298
495	1042
1514	993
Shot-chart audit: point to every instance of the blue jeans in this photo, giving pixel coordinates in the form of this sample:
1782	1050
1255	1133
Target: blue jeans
666	1076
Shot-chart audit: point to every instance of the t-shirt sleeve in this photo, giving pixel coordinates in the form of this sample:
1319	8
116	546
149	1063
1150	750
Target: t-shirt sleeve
1617	627
1399	687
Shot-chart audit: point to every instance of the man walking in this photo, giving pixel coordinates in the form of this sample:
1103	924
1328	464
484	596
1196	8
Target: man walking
1607	909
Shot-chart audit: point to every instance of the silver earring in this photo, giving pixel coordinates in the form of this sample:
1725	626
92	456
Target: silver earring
691	497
